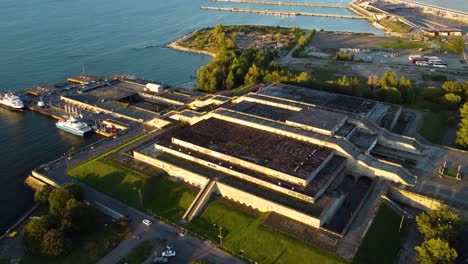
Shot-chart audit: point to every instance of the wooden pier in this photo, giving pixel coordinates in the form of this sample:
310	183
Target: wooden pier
277	13
253	2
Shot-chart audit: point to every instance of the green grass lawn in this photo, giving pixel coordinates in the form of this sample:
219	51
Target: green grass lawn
396	26
242	230
435	125
161	196
89	248
397	43
383	239
138	254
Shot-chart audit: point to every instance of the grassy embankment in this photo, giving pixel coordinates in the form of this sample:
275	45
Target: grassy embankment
398	43
161	196
383	240
396	26
88	248
242	232
138	254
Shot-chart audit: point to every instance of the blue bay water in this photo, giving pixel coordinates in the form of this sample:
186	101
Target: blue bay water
44	41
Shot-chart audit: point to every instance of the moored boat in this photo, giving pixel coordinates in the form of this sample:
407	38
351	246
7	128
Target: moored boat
73	126
12	102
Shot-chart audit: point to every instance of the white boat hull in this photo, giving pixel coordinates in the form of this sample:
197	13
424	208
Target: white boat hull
72	131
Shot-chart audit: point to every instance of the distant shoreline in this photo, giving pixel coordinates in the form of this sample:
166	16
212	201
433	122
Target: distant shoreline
175	45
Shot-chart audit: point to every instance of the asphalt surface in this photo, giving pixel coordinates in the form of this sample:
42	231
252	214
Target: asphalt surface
188	248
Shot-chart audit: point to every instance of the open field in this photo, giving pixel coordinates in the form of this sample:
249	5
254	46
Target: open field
88	248
242	232
334	41
138	254
383	239
160	195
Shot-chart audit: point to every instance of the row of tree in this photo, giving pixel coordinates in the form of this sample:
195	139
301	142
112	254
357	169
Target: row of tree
68	215
440	228
233	67
302	42
462	133
387	88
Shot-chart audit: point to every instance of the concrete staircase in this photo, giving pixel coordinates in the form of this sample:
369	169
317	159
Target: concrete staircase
350	243
200	201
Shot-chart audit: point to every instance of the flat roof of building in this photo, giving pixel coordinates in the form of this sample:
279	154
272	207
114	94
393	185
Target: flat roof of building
281	153
116	91
114	107
314	117
309	116
320	98
263	110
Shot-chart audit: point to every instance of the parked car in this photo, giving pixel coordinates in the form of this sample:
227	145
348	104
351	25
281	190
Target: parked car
146	222
160	260
169	253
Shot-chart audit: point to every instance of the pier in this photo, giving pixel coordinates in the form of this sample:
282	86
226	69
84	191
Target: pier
432	9
278	13
253	2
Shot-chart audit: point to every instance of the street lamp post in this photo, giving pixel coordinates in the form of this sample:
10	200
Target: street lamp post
139	193
220	234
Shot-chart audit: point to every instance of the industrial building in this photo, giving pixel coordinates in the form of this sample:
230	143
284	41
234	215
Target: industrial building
309	155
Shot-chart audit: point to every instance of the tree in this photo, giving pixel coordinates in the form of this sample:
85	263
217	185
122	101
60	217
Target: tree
230	80
253	76
78	217
451	100
389	79
406	89
54	244
42	196
75	190
439	223
436	251
462	134
373	81
58	201
278	37
34	231
457	45
452	87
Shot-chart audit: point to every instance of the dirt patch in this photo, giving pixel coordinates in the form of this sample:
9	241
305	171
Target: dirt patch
335	40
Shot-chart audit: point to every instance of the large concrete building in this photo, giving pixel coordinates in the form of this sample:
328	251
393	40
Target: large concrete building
287	150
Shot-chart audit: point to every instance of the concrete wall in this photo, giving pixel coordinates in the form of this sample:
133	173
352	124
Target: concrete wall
201	200
172	170
413	199
236	174
265	205
43	178
331	210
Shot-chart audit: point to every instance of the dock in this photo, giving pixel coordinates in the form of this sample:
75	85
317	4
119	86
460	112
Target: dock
277	13
253	2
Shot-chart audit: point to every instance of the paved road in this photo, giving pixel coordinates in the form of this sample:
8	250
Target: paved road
188	248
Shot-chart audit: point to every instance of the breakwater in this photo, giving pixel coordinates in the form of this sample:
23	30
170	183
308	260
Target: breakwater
278	13
253	2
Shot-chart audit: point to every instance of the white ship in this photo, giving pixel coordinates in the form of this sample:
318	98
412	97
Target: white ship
12	102
73	125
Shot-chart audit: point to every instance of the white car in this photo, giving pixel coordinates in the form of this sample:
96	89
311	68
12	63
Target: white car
169	253
146	222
